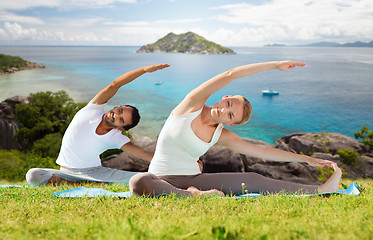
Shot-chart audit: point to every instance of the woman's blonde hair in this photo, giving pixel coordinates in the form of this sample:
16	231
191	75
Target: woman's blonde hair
247	109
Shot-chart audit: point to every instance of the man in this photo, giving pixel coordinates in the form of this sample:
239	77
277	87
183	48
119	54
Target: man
91	132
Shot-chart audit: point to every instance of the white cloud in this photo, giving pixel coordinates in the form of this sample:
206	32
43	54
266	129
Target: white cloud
178	21
199	31
86	37
146	33
152	23
243	37
15	32
301	19
77	23
26	4
127	23
10	17
60	35
3	34
245	24
74	4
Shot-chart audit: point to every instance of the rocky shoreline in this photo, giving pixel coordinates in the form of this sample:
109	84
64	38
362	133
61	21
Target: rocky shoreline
219	159
8	125
29	65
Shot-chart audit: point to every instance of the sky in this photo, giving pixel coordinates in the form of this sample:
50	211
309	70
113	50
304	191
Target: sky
227	22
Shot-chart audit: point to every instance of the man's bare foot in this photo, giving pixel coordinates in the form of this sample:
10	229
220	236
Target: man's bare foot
331	185
56	180
197	193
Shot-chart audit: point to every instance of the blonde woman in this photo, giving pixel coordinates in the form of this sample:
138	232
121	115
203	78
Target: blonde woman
193	127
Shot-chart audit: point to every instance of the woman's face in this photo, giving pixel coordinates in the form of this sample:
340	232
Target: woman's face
228	111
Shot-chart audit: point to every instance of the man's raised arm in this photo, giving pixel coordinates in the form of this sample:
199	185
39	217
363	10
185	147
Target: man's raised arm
105	94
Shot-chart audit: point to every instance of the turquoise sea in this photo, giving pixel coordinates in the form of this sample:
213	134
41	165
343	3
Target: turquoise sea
333	93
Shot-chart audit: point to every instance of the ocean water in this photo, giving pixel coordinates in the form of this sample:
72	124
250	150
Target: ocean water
333	93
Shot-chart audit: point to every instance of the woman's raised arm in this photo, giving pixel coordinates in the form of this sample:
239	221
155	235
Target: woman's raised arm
197	97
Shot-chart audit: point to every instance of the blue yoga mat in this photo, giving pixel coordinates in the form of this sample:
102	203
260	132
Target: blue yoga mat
96	192
15	186
353	189
90	192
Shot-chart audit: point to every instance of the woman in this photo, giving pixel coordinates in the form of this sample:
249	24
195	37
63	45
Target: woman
192	128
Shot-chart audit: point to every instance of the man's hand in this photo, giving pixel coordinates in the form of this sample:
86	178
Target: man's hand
105	94
137	152
153	68
286	65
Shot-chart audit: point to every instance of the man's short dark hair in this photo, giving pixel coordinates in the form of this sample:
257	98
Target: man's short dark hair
135	118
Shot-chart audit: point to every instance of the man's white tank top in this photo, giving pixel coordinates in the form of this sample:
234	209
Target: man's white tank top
178	148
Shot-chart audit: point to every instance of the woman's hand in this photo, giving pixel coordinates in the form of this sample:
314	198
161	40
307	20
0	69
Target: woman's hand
319	162
153	68
286	65
200	165
336	168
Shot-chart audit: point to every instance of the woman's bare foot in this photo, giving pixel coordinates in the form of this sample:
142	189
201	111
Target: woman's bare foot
197	193
331	185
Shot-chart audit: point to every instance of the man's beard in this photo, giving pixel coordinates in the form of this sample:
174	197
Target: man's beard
108	121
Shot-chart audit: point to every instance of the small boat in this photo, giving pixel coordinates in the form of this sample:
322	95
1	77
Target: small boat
158	83
269	92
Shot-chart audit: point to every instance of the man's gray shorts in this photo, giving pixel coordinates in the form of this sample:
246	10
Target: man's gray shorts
40	176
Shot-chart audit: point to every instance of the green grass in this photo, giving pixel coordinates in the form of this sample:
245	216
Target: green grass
34	213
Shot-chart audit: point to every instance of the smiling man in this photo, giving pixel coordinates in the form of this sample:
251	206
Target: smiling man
91	132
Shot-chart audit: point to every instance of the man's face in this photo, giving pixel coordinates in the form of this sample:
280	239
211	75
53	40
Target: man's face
119	117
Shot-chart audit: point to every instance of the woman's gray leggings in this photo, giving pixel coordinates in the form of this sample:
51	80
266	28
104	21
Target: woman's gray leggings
229	183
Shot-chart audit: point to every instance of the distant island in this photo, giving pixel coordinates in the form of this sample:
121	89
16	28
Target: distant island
327	44
185	43
334	44
275	45
11	64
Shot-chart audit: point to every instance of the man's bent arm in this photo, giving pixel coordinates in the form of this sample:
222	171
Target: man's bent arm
137	152
105	94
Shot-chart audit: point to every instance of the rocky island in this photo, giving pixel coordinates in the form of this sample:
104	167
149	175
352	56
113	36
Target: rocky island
11	64
185	43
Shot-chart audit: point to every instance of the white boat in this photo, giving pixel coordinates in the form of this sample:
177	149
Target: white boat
158	82
270	92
